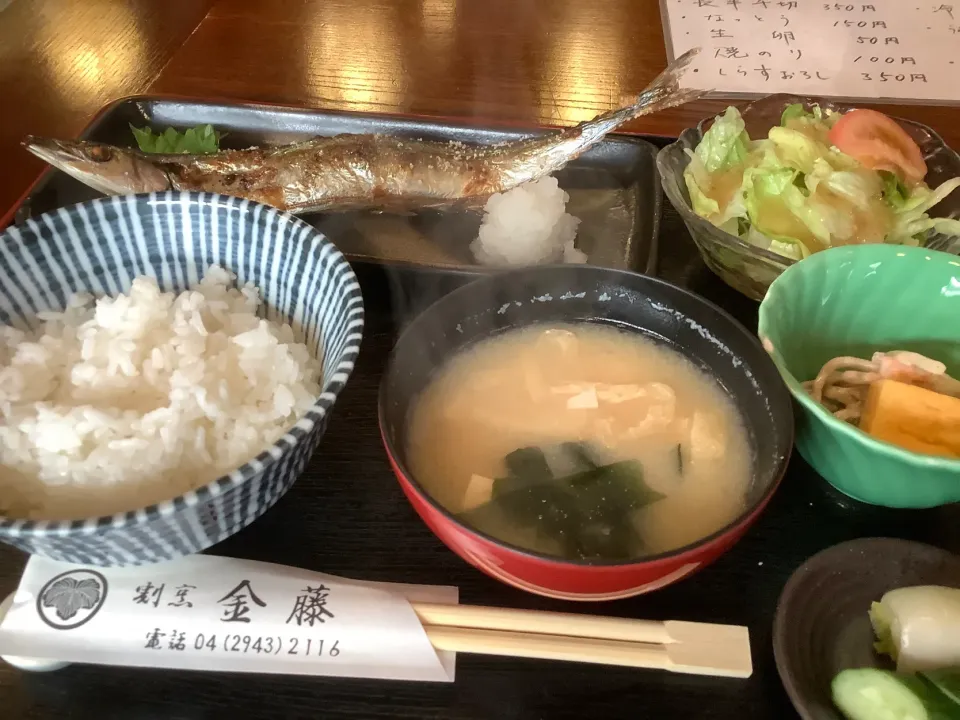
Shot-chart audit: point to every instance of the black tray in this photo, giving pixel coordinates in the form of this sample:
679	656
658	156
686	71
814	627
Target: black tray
614	188
346	515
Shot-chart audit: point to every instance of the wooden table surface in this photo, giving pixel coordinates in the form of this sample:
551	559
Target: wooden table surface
521	61
516	61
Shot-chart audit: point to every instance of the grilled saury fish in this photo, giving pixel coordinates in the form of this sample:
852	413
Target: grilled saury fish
355	171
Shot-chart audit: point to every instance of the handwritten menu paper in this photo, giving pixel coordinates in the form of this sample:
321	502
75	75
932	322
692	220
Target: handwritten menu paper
879	49
210	613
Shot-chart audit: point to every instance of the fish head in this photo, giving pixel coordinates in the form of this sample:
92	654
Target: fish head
109	169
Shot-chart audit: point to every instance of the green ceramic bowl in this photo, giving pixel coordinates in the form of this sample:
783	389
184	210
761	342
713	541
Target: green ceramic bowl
855	301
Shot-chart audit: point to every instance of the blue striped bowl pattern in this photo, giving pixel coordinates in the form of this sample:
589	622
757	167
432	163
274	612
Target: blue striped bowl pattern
100	247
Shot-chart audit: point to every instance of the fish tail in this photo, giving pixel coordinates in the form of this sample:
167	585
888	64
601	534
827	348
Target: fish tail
534	158
665	91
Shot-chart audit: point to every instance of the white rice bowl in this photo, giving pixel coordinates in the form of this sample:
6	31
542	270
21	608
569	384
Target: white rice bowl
120	403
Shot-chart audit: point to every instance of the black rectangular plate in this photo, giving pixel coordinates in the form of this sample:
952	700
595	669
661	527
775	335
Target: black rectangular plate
614	188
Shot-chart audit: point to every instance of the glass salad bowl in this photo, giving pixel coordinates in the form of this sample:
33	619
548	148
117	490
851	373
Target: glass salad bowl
749	268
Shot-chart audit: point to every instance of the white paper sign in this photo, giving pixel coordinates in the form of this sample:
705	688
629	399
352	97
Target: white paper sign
210	613
877	49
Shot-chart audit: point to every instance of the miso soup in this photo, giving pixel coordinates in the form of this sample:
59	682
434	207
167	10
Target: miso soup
583	441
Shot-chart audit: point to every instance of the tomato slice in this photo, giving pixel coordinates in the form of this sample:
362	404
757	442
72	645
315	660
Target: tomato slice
878	142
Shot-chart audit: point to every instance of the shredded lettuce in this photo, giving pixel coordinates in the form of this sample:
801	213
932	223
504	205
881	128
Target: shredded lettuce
793	112
912	225
725	143
857	188
922	198
798	194
780	244
796	115
894	191
797	149
705	206
702	205
774	193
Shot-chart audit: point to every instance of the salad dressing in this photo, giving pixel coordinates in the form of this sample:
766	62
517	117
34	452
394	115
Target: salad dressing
815	131
869	225
775	218
724	185
874	224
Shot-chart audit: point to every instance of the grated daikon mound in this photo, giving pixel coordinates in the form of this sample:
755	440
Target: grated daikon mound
118	403
528	225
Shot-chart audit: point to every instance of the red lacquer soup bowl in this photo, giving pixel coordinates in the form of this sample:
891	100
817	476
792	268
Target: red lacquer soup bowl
663	312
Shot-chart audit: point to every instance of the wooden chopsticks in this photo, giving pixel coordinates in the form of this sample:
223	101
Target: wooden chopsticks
677	646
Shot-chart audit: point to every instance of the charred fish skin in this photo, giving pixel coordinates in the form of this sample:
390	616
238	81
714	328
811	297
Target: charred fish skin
343	172
354	172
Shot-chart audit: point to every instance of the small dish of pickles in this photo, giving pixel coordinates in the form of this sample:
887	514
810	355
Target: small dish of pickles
870	630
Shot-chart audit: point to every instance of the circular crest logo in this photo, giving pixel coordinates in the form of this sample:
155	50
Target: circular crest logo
71	599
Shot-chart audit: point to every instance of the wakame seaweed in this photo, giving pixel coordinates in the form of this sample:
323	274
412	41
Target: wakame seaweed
528	464
580	455
608	542
586	512
610	490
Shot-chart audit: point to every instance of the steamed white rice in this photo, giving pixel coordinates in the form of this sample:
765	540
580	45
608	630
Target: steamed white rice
118	403
528	225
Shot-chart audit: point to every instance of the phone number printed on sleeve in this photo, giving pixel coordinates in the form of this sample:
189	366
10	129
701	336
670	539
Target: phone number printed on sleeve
244	644
269	645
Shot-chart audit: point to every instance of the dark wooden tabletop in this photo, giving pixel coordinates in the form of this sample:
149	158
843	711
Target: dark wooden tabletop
524	61
529	61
